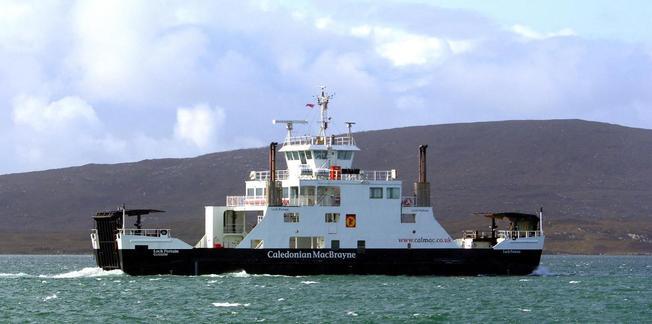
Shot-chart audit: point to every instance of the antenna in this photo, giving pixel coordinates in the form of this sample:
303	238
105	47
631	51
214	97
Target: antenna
289	124
349	124
323	100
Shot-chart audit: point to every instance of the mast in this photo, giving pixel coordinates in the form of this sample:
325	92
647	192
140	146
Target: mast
323	100
348	126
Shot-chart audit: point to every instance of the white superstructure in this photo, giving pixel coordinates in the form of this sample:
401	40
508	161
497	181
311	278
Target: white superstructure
324	202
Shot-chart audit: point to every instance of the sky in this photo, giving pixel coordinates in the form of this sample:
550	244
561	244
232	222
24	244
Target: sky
118	81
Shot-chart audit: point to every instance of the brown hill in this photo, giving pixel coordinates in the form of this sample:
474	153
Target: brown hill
592	179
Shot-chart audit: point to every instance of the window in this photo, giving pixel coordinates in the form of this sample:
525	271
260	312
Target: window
308	155
259	192
394	193
332	217
250	192
291	217
375	192
302	157
285	192
307	242
408	218
288	156
295	155
361	244
321	155
307	196
256	244
335	244
344	155
328	196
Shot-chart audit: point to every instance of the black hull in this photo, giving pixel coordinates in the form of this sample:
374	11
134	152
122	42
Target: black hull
325	261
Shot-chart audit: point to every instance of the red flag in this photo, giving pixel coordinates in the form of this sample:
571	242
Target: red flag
310	105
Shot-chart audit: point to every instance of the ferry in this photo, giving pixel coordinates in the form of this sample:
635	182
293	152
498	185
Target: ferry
322	216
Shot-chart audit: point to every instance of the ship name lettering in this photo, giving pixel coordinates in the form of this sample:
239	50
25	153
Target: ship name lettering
163	252
310	255
511	252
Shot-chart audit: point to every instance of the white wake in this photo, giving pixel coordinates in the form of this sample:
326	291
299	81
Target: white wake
230	304
13	275
542	271
85	273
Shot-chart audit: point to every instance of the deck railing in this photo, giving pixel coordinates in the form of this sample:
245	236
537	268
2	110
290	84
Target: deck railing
239	201
163	232
320	140
264	175
325	174
506	234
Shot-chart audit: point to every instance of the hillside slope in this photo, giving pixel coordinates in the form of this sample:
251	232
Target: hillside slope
592	179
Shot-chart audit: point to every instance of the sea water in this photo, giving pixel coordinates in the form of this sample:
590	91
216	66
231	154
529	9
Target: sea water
564	289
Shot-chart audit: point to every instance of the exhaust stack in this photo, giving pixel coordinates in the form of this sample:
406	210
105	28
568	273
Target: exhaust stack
422	186
273	194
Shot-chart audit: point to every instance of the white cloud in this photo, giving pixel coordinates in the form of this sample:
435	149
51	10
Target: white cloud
199	125
403	48
40	115
323	22
530	33
361	31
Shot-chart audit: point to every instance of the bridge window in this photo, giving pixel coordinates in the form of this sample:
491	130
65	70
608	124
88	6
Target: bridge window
250	192
295	155
302	157
335	244
288	156
332	217
308	155
408	218
344	155
328	196
291	217
376	192
394	193
260	191
321	155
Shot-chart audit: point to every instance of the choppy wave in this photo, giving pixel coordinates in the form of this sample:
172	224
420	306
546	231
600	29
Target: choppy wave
53	296
240	274
244	274
227	304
